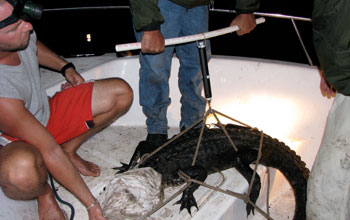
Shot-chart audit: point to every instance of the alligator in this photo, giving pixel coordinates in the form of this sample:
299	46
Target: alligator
216	153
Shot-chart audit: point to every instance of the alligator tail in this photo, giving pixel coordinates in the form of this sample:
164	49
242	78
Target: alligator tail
277	155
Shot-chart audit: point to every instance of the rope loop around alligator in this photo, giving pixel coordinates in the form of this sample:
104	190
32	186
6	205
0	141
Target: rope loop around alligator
163	203
189	180
203	120
244	197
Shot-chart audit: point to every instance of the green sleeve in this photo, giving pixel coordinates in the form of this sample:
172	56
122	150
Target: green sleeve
247	6
146	14
331	37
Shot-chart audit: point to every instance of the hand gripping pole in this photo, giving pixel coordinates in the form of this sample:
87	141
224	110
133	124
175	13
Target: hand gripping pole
186	39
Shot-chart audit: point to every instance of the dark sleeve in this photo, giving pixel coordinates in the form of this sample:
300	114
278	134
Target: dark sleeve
331	37
247	6
146	15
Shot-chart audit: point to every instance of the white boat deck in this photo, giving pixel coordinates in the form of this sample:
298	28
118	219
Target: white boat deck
280	98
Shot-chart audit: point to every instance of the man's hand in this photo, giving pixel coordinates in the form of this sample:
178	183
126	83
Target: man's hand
48	58
152	42
73	79
245	22
326	89
95	213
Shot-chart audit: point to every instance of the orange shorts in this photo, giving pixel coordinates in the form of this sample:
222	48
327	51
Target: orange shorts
70	113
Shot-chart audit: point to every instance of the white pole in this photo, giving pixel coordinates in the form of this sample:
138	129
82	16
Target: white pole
186	39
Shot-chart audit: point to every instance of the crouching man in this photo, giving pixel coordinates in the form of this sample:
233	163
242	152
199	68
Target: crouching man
40	134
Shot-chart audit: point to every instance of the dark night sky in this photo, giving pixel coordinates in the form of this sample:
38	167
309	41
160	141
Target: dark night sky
65	31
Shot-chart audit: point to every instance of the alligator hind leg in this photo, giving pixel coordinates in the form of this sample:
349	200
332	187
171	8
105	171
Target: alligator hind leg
187	200
247	173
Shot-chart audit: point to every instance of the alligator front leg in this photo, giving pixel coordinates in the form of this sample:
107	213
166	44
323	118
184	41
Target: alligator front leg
187	200
142	148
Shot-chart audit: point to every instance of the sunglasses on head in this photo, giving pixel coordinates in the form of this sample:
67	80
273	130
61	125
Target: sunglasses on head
22	9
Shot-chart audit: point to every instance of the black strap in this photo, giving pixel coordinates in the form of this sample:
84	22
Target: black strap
12	2
65	67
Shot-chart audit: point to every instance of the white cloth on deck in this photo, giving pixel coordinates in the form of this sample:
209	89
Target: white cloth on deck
132	194
328	193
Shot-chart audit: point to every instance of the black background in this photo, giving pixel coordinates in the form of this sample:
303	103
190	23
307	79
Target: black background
65	31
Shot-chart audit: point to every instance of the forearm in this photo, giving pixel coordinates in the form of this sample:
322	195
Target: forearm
48	58
65	173
146	14
58	164
18	122
245	19
247	6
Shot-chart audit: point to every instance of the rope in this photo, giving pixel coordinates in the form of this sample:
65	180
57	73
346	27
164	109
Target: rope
226	133
160	205
232	119
147	156
244	197
268	191
257	163
189	180
199	140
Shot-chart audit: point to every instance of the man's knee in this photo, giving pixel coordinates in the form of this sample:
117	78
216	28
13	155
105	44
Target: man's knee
125	91
112	95
22	172
122	93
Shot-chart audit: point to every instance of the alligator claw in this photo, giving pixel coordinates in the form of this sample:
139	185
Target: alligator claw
249	209
254	194
125	167
142	148
187	201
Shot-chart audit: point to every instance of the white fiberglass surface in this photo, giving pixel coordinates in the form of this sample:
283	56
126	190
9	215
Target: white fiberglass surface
280	98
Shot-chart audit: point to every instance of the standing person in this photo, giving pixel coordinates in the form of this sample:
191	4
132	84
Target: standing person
155	20
328	193
33	126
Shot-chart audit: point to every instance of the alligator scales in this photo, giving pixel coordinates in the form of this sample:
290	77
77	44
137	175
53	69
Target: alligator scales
216	153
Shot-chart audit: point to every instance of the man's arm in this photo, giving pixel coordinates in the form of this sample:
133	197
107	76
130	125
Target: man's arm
247	6
147	18
48	58
245	22
325	88
245	19
17	121
152	42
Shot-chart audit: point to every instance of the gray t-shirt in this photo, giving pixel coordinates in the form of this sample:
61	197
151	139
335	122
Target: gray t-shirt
23	82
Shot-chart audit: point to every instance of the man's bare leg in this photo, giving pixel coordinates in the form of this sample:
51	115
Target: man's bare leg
23	176
111	98
48	208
